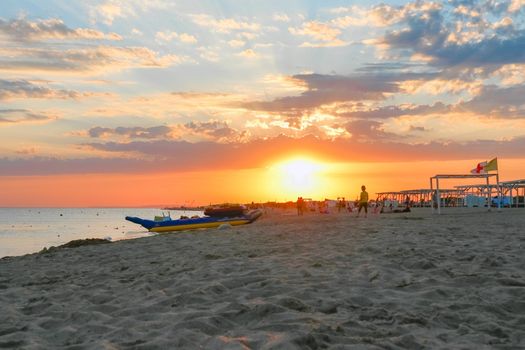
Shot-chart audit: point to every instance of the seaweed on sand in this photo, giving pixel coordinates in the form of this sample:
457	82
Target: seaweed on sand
77	243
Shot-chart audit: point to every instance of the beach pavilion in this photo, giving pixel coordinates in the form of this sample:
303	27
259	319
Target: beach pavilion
488	187
518	186
418	197
513	190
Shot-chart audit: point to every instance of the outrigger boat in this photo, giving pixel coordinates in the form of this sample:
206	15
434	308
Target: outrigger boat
166	224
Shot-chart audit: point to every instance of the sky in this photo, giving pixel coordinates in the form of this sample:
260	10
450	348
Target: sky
131	103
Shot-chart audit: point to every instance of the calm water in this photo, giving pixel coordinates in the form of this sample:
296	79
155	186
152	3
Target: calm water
28	230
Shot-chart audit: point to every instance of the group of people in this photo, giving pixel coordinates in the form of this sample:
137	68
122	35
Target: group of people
362	203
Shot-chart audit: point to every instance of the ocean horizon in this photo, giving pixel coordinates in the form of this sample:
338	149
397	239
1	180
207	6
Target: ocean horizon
29	230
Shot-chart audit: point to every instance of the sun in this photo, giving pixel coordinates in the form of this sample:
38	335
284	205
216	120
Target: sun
297	177
300	171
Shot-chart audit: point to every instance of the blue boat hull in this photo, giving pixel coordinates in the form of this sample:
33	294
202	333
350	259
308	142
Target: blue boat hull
191	224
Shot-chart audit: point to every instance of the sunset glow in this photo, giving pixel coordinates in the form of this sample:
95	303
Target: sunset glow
299	177
309	98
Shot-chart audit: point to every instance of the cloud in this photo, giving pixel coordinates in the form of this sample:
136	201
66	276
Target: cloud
22	89
18	116
36	47
387	66
167	36
458	38
215	130
45	29
211	155
492	51
466	11
516	5
382	15
224	25
236	43
324	34
368	130
212	130
490	102
187	38
443	84
171	155
131	132
398	110
248	53
498	102
360	17
166	106
136	32
326	89
27	151
109	10
281	17
511	74
334	43
247	35
209	53
79	60
417	128
505	22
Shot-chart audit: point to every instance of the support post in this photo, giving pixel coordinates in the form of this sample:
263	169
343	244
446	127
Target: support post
500	192
489	199
431	195
438	197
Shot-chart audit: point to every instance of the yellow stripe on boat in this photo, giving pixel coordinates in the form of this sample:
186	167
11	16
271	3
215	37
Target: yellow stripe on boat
196	226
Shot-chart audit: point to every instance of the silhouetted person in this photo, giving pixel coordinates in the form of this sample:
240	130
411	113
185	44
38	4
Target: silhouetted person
363	201
300	205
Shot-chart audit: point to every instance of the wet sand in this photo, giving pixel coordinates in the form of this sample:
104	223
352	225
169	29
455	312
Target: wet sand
391	281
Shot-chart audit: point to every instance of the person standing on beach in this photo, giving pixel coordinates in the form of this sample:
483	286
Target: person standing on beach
300	206
363	201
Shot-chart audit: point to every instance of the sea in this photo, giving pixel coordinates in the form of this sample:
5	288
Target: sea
29	230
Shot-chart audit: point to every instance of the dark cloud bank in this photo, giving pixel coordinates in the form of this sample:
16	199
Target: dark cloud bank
180	156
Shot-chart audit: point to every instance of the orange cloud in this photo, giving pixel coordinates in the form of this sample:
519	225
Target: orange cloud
181	156
97	59
248	53
323	33
225	25
109	10
24	89
169	36
25	30
516	5
19	116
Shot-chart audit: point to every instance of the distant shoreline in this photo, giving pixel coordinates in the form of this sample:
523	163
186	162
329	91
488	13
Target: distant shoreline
184	208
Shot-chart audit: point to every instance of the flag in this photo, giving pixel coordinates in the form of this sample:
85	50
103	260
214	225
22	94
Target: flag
479	169
485	167
492	165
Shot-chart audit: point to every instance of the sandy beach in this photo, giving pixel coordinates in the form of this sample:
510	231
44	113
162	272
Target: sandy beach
395	281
